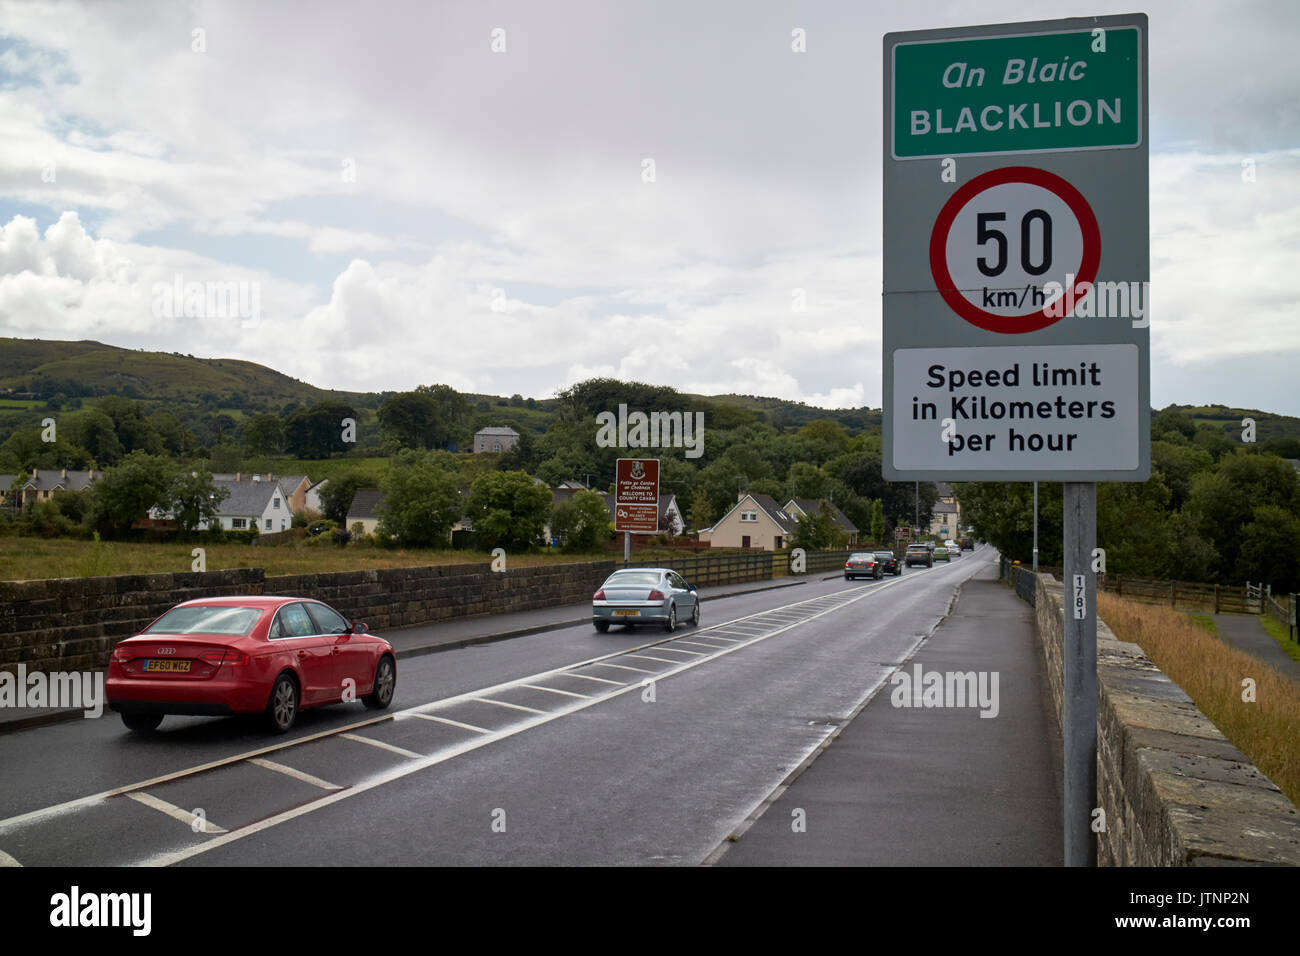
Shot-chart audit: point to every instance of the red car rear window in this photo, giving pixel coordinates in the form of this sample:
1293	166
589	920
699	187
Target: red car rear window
206	619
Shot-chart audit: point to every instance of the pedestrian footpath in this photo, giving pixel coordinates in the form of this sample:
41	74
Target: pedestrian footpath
932	786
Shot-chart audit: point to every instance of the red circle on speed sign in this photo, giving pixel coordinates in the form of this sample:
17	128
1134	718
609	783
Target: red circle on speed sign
1029	186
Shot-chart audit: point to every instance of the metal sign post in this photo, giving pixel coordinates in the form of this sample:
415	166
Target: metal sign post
1016	298
1035	527
1079	724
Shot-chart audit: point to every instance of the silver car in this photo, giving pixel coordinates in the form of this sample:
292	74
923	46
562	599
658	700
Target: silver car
634	596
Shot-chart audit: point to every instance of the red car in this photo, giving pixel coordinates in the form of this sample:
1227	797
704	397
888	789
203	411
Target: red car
248	655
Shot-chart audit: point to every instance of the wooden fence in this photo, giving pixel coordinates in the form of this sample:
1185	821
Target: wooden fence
1210	598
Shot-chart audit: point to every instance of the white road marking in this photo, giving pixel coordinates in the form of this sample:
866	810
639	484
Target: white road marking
678	650
382	746
453	723
504	703
603	680
553	690
7	860
175	812
639	670
441	756
695	644
296	774
647	657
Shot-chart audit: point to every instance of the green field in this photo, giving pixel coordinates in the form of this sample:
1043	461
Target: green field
25	559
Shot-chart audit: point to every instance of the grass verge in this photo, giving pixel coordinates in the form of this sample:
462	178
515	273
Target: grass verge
1277	631
1211	672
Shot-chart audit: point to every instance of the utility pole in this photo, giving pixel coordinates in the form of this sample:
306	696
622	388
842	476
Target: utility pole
1079	653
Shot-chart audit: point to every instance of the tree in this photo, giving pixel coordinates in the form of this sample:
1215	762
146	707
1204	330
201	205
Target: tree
92	430
878	521
700	514
133	430
421	502
317	431
264	435
813	532
193	499
337	494
1268	552
581	522
806	480
127	492
431	416
1223	502
508	509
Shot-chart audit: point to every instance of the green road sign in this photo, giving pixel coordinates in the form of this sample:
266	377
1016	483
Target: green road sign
1057	91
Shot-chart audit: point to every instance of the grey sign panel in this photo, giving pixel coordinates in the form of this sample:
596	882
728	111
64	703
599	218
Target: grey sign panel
1016	309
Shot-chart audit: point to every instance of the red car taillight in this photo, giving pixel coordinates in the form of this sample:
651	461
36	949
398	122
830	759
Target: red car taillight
599	595
122	655
655	596
226	658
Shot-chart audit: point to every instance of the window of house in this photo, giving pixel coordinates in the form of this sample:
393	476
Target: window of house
276	503
749	516
268	524
238	523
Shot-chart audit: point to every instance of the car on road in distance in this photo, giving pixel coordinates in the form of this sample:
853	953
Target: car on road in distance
918	554
862	564
954	550
247	654
968	544
889	563
940	552
632	596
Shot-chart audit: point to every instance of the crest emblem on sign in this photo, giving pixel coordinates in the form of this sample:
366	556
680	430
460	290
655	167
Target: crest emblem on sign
638	472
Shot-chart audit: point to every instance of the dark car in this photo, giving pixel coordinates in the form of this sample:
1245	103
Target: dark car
968	544
888	562
864	564
918	554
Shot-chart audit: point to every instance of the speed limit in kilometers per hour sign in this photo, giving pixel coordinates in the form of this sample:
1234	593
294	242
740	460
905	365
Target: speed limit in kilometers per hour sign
1010	245
1016	260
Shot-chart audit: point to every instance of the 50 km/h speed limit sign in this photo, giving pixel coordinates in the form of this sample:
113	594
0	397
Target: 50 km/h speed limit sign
1016	260
1010	244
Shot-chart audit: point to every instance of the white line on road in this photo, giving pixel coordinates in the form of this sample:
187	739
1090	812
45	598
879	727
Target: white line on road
647	657
176	813
382	746
622	667
7	860
603	680
296	774
453	723
678	650
553	690
505	703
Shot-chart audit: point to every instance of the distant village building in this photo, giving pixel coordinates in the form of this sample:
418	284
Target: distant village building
19	492
495	439
362	510
754	521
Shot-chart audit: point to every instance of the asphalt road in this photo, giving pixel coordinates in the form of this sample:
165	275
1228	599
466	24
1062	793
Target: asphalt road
567	747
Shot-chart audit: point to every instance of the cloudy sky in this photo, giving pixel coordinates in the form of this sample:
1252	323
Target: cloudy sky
412	206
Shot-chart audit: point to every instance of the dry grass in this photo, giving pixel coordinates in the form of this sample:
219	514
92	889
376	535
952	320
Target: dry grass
1211	672
24	559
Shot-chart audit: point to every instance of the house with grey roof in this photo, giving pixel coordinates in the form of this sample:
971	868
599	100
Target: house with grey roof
253	503
495	439
811	506
362	510
22	491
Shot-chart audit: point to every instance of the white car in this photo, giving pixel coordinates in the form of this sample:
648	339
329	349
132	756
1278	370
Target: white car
954	550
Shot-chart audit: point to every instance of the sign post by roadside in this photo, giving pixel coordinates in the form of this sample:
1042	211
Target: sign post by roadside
636	499
1016	301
